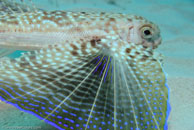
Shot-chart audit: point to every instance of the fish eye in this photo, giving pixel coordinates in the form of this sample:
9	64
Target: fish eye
147	32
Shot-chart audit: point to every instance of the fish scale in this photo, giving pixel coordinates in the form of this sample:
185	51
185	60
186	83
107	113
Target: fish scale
56	19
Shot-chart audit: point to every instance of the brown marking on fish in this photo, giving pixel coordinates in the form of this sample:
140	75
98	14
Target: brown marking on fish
129	19
144	58
74	46
83	48
112	20
68	23
74	53
133	57
138	17
93	42
131	27
13	22
137	53
154	59
24	64
128	50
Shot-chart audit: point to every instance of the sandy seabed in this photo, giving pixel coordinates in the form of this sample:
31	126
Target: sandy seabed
176	20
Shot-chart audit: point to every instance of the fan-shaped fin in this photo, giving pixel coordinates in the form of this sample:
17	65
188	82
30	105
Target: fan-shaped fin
97	89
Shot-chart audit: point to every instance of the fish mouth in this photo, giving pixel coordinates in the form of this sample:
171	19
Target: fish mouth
152	43
156	43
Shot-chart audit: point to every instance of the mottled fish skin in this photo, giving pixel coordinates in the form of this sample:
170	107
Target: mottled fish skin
12	6
90	85
89	71
38	29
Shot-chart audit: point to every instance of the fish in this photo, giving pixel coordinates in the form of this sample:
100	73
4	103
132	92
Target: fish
85	71
30	30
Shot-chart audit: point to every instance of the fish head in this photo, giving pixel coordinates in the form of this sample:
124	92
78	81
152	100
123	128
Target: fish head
144	32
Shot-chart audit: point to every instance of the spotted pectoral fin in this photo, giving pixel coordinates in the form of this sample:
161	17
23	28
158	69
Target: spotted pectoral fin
145	81
89	87
57	77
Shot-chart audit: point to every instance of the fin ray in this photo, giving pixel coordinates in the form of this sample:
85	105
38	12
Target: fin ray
89	90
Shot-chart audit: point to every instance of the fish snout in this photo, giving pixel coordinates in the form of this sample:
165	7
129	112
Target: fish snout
156	43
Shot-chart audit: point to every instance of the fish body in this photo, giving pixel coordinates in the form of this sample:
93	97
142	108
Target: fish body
90	71
33	30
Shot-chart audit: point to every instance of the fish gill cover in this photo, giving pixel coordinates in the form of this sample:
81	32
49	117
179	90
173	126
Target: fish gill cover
97	84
